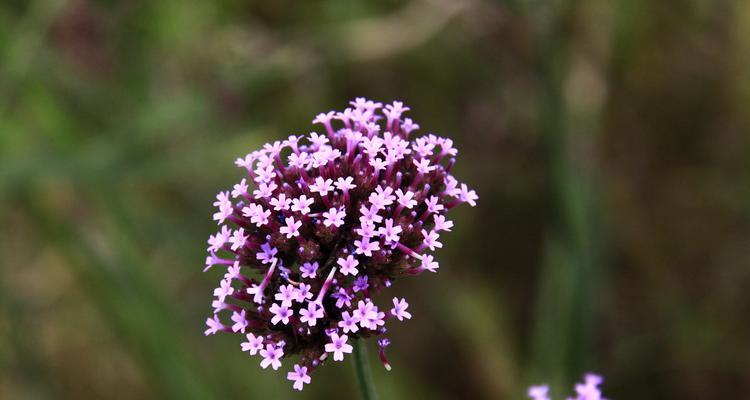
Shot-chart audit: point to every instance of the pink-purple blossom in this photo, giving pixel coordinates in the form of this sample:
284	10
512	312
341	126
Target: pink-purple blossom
280	314
399	309
225	289
319	225
214	325
291	229
299	376
253	345
308	270
586	390
348	265
271	356
240	321
322	186
334	217
338	346
286	295
302	204
311	314
348	323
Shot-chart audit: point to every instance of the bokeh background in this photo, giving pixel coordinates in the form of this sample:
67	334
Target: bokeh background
609	141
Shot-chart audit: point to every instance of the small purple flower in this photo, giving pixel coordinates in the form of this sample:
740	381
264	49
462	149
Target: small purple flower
468	196
390	232
364	312
214	325
281	202
302	204
433	205
342	298
338	346
225	207
588	390
299	160
257	214
217	241
233	272
345	184
360	284
441	224
348	265
383	343
304	293
366	247
348	323
267	254
311	314
406	198
225	289
423	166
280	314
299	376
366	229
240	189
238	239
429	263
292	227
539	392
308	270
240	321
286	295
264	191
370	214
377	320
378	164
318	140
430	239
399	309
334	217
271	356
253	345
322	186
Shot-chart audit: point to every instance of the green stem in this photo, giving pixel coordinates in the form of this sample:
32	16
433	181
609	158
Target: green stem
362	368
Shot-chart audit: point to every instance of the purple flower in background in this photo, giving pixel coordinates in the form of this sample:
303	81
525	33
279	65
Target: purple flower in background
588	390
323	223
539	392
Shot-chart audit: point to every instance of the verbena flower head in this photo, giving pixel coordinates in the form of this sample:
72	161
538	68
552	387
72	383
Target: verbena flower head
587	390
328	221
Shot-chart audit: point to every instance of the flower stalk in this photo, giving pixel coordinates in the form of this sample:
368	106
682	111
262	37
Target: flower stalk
362	369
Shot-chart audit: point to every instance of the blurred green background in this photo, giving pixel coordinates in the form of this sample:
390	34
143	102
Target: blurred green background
609	141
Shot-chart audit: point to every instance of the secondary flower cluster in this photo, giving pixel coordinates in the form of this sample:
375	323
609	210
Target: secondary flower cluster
588	390
331	220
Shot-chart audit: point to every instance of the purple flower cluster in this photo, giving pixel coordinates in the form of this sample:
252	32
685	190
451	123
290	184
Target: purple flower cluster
332	219
588	390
